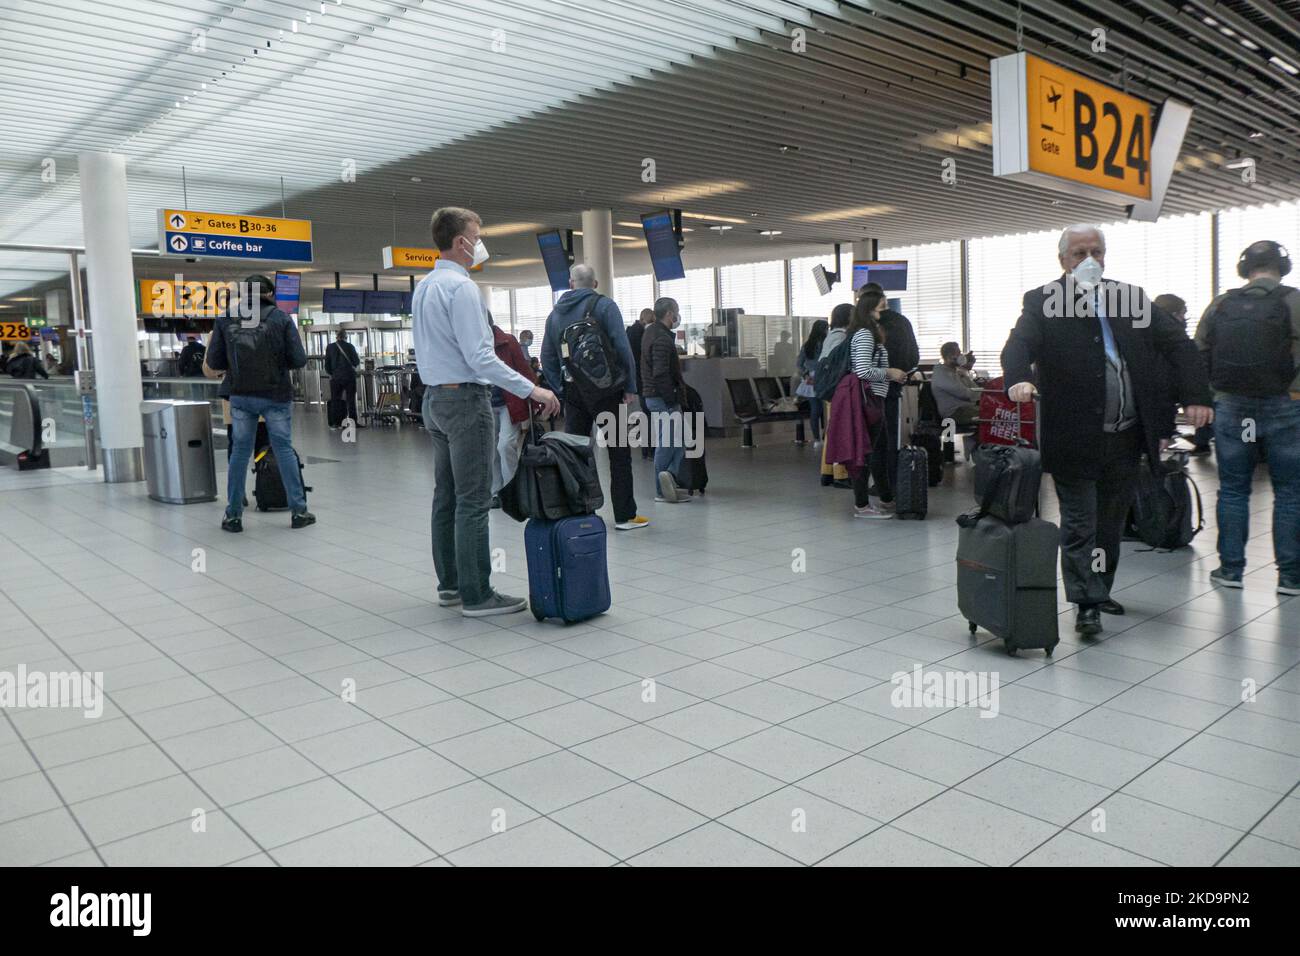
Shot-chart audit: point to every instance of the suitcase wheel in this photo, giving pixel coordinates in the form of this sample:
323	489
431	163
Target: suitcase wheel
536	613
1011	651
1050	649
972	626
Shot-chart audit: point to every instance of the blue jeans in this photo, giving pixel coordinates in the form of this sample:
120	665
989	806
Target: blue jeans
1276	425
669	452
463	429
244	412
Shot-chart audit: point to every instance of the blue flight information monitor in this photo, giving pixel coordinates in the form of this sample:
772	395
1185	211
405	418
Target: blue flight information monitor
288	291
661	242
556	259
343	300
890	273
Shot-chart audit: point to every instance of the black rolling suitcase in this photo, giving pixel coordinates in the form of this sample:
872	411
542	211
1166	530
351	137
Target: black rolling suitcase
929	435
695	474
1006	557
911	489
268	486
336	409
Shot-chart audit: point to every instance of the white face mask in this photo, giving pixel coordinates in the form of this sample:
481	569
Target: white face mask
480	254
1088	273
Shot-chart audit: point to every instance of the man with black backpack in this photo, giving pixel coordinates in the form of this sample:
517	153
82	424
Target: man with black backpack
341	364
586	356
257	353
1250	339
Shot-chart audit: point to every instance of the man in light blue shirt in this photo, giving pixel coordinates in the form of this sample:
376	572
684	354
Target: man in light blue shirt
458	365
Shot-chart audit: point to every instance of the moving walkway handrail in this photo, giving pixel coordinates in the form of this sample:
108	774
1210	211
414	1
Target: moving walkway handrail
26	391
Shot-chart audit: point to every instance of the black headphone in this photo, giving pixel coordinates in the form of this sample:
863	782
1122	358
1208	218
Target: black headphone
1277	253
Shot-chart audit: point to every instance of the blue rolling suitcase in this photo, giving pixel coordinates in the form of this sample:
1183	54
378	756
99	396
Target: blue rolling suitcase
567	574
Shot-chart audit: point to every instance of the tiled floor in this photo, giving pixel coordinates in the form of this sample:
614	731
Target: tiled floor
304	692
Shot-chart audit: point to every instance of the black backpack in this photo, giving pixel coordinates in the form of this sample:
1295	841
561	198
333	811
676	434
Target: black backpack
1250	344
1162	508
253	354
590	360
828	371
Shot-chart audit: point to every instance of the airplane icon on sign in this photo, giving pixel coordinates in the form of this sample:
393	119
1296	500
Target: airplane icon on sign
1052	98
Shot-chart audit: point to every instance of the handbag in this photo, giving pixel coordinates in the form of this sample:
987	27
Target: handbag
804	390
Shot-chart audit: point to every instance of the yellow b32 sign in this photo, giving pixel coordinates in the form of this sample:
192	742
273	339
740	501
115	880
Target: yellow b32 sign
1052	122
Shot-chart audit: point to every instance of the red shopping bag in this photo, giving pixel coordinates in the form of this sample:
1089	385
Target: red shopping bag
1004	422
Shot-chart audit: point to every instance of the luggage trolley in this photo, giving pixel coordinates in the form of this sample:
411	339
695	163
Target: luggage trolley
388	397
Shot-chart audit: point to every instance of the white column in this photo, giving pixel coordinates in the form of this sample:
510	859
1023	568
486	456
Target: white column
598	246
485	291
109	276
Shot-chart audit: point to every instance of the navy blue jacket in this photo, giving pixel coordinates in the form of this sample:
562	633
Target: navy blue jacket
570	310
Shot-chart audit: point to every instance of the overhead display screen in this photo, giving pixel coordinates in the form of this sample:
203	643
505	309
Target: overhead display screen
555	257
661	242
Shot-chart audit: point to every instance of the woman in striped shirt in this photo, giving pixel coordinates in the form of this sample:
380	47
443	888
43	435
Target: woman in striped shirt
871	365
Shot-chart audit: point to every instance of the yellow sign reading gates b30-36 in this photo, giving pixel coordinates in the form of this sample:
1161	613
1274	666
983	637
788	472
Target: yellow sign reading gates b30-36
1087	132
224	224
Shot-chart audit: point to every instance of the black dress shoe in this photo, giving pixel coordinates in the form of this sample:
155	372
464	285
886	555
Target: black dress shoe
826	481
233	525
842	483
1110	607
1088	621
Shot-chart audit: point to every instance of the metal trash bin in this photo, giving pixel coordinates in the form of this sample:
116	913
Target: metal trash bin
178	460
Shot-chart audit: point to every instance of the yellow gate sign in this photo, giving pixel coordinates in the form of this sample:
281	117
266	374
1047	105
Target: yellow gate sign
408	257
16	332
1063	130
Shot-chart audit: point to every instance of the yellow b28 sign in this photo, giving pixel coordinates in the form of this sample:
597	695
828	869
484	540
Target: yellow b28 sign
15	332
1061	128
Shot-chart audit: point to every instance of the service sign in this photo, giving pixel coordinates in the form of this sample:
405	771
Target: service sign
407	257
187	232
1066	131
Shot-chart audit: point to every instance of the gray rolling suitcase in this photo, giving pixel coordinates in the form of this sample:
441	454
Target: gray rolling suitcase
1006	580
1006	557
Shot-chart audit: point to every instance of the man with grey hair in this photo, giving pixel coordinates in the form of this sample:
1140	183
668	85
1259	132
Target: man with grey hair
1092	349
458	364
586	356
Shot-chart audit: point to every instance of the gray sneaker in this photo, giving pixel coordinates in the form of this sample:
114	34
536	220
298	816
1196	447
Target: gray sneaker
448	598
496	604
668	488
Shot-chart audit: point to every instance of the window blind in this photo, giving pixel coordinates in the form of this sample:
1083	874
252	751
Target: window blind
933	298
695	296
756	287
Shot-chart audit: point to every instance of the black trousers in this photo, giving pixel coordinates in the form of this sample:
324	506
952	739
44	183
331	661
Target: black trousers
884	449
1093	512
580	420
348	390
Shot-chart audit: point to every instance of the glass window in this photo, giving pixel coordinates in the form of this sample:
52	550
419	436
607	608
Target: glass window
632	294
1001	270
756	287
1169	255
1238	228
806	299
695	295
532	306
500	309
933	298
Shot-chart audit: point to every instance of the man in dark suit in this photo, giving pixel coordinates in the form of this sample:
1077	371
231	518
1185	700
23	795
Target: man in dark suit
1092	349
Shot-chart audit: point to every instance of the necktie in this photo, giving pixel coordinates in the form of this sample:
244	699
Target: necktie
1107	336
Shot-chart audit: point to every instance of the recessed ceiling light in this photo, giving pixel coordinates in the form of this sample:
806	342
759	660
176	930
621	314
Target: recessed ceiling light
769	232
1256	135
719	228
416	179
705	216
